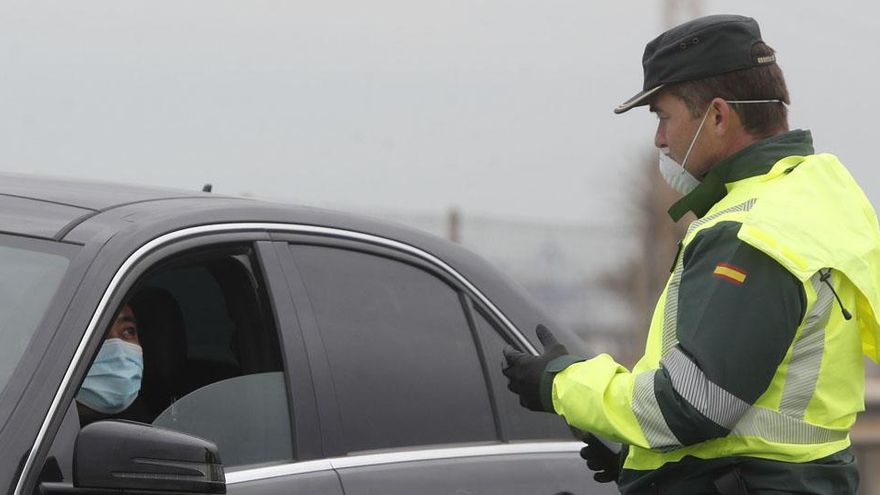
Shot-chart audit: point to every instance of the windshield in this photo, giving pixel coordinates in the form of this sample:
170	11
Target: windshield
29	278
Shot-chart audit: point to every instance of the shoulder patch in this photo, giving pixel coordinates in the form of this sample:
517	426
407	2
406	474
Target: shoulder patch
730	273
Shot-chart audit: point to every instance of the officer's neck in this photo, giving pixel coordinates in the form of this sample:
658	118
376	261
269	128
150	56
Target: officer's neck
737	139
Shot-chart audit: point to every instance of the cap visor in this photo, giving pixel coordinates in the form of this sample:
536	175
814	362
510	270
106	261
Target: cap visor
637	100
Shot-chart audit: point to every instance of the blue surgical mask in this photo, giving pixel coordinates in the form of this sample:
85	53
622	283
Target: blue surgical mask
114	380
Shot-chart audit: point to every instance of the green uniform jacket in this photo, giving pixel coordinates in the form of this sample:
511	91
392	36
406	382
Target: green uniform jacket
754	355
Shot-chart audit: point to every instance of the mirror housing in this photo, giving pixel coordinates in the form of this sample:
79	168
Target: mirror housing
124	455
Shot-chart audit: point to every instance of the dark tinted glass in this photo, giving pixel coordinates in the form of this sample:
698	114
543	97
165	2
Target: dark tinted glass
522	423
403	360
209	329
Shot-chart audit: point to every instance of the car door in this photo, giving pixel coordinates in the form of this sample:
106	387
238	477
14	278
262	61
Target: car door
242	380
407	391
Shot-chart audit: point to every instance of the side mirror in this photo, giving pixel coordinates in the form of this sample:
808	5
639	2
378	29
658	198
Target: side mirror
123	456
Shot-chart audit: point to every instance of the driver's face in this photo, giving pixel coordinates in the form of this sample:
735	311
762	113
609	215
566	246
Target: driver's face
124	326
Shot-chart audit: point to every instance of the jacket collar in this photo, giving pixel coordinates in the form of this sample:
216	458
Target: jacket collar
756	159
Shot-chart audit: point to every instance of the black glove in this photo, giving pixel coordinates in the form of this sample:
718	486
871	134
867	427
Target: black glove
601	459
526	371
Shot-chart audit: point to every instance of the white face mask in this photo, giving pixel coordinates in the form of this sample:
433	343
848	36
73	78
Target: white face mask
675	174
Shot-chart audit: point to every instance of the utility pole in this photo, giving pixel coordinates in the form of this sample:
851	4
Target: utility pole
453	225
644	278
677	11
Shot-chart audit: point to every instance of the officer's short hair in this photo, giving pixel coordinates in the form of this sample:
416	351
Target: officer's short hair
756	83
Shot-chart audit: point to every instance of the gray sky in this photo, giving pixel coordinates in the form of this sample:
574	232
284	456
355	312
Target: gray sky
502	107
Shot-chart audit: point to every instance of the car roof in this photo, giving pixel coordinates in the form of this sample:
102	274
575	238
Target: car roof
84	212
48	206
76	210
93	212
92	195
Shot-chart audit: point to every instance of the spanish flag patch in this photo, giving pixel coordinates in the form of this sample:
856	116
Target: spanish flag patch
730	273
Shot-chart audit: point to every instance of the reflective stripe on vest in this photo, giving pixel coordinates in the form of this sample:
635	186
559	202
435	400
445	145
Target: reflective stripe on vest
719	405
787	425
806	355
649	415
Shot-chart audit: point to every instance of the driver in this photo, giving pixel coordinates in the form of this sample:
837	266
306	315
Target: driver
110	388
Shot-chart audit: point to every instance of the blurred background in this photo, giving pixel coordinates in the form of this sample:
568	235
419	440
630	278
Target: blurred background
485	121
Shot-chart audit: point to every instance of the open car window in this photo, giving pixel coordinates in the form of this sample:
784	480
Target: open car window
212	364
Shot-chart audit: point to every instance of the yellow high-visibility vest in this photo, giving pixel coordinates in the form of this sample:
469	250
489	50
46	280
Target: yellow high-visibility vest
808	214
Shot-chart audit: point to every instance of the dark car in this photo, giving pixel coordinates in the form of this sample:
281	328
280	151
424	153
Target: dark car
285	350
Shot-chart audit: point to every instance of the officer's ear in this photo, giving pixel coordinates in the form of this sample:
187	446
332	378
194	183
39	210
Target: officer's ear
722	119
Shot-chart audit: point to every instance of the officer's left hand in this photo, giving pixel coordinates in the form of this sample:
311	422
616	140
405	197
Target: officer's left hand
601	459
525	371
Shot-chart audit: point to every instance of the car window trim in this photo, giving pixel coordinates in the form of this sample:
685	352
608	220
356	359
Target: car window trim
295	241
133	259
501	426
378	459
394	255
341	239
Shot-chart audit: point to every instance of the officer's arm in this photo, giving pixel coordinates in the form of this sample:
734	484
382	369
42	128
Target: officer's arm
737	314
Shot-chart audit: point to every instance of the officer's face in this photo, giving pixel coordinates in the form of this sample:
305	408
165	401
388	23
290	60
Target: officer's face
676	128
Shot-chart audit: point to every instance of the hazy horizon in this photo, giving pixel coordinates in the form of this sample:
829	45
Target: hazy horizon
500	108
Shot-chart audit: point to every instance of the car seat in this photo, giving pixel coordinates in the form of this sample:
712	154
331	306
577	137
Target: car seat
162	334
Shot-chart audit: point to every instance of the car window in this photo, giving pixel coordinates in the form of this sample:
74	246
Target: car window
29	278
522	423
245	416
403	360
212	363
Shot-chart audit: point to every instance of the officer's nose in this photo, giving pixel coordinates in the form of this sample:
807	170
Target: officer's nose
660	137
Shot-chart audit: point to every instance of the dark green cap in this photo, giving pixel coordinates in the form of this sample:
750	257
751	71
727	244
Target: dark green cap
704	47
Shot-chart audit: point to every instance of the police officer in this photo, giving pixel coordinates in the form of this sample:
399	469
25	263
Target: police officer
753	373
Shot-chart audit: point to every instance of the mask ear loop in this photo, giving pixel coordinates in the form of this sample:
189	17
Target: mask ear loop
755	101
703	122
694	140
